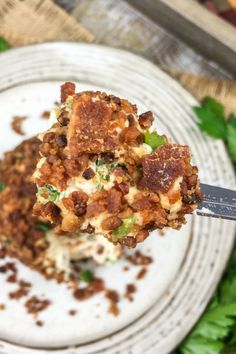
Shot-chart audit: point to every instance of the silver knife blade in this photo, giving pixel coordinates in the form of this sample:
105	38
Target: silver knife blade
218	202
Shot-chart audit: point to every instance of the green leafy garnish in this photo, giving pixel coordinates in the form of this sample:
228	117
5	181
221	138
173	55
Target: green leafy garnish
211	118
125	227
153	139
48	193
2	186
4	45
43	226
212	121
86	275
100	163
216	330
231	137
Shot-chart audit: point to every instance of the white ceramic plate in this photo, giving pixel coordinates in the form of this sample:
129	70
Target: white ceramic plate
187	264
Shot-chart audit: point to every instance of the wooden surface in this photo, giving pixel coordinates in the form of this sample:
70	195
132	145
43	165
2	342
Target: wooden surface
118	24
189	20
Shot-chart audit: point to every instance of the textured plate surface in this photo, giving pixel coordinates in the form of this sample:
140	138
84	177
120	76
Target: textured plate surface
187	264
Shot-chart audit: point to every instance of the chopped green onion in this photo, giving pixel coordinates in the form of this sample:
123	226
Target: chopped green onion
2	186
100	163
52	193
43	226
86	275
153	139
125	227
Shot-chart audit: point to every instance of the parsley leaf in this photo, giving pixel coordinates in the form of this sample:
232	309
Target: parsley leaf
86	275
231	137
211	118
153	139
2	186
4	45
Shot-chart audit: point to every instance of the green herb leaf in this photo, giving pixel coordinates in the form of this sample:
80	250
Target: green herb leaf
231	137
43	226
211	118
153	139
2	186
125	227
4	45
51	193
86	275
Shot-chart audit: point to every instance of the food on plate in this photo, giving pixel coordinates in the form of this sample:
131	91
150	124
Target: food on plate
105	170
28	238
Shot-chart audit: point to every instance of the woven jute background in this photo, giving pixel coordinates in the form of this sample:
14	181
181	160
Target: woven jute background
33	21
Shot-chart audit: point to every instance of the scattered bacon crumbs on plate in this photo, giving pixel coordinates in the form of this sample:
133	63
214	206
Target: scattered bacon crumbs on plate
16	124
45	115
96	286
22	291
35	305
114	298
130	289
72	312
2	307
138	258
125	268
12	278
141	274
39	323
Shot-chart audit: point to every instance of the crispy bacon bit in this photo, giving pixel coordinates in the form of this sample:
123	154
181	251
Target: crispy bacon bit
113	296
88	173
139	259
111	223
67	89
79	199
39	323
129	135
89	127
35	305
23	290
161	168
72	167
16	124
129	241
72	312
96	286
45	115
141	274
94	209
114	201
130	290
146	119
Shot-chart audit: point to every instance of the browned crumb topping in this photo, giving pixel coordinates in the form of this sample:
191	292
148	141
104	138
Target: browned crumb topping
35	305
22	238
141	274
16	124
113	297
23	290
2	307
72	312
12	278
39	323
45	115
138	258
96	286
130	290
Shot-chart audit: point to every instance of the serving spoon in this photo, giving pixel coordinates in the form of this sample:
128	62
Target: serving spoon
218	202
